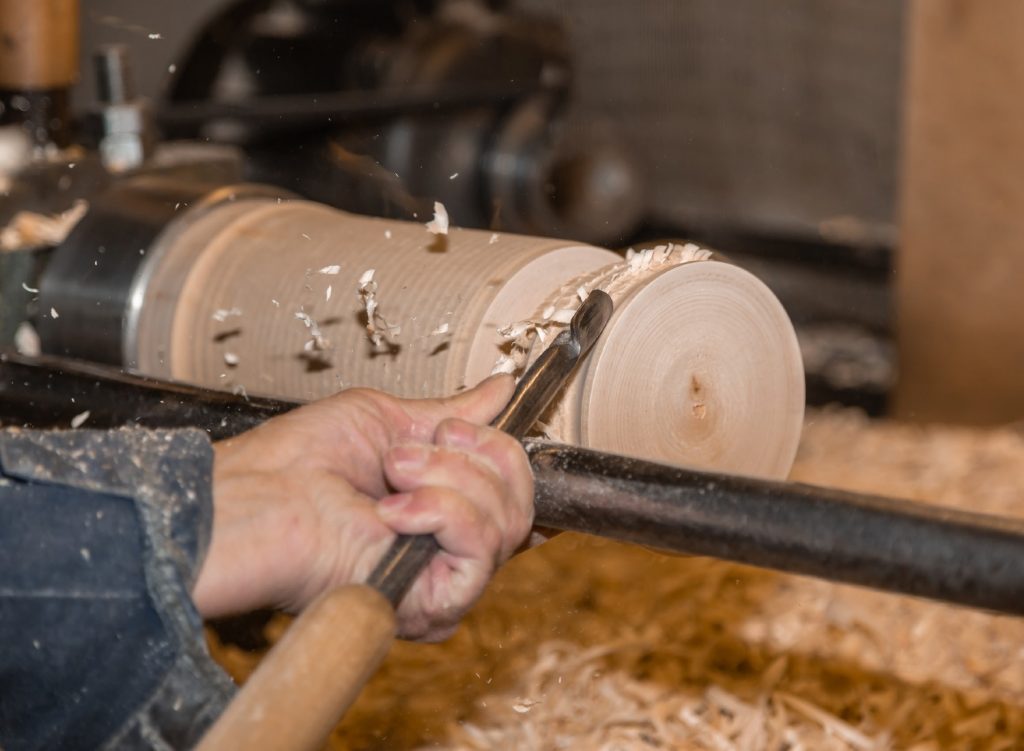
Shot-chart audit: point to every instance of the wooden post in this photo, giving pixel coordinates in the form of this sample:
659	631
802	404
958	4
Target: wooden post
38	44
961	260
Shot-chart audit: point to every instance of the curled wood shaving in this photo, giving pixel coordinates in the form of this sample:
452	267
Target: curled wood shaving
520	336
439	224
378	328
317	342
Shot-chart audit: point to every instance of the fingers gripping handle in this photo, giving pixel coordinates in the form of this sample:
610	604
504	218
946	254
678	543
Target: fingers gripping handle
305	685
409	555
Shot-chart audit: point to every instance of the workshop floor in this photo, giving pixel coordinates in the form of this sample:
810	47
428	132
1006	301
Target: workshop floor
588	644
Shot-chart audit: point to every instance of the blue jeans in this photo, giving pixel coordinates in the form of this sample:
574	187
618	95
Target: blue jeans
101	538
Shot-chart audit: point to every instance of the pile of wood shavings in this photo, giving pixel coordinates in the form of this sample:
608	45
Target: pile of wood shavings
584	643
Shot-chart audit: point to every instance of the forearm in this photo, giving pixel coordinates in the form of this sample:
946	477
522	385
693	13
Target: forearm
100	538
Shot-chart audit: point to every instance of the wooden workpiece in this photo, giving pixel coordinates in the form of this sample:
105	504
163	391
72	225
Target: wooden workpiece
699	365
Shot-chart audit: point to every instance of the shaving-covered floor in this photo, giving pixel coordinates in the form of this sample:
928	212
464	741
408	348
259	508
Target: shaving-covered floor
588	644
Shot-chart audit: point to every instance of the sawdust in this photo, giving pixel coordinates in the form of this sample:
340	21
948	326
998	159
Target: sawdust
584	643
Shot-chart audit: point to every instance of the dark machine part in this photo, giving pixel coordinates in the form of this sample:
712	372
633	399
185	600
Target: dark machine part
408	555
97	278
885	543
382	109
127	134
48	393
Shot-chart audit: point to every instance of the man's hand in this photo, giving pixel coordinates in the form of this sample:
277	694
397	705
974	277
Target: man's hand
311	500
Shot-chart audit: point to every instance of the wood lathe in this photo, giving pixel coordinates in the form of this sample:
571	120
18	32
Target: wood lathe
244	289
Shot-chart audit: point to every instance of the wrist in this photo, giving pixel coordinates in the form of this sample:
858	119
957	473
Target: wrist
258	545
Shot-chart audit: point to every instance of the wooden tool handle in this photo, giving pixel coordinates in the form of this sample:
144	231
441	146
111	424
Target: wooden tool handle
303	686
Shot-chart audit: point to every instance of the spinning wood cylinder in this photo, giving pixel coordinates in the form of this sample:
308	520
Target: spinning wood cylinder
698	367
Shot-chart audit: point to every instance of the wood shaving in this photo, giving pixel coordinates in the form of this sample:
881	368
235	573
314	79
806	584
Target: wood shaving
222	314
231	359
332	270
520	336
79	420
31	290
28	229
378	329
328	292
53	313
26	340
494	239
439	224
317	342
504	364
441	330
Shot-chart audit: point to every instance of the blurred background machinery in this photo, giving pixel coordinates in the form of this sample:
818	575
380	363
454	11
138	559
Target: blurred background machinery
768	131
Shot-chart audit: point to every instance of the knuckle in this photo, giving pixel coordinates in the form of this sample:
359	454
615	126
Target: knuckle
459	433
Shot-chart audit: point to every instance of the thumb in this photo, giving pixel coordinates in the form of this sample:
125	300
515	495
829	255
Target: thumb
478	405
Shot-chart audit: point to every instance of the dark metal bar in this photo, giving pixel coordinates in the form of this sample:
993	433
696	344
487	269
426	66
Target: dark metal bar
332	107
885	543
47	392
900	546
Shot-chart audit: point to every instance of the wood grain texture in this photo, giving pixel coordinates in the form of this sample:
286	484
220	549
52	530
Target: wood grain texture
303	687
39	48
961	259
